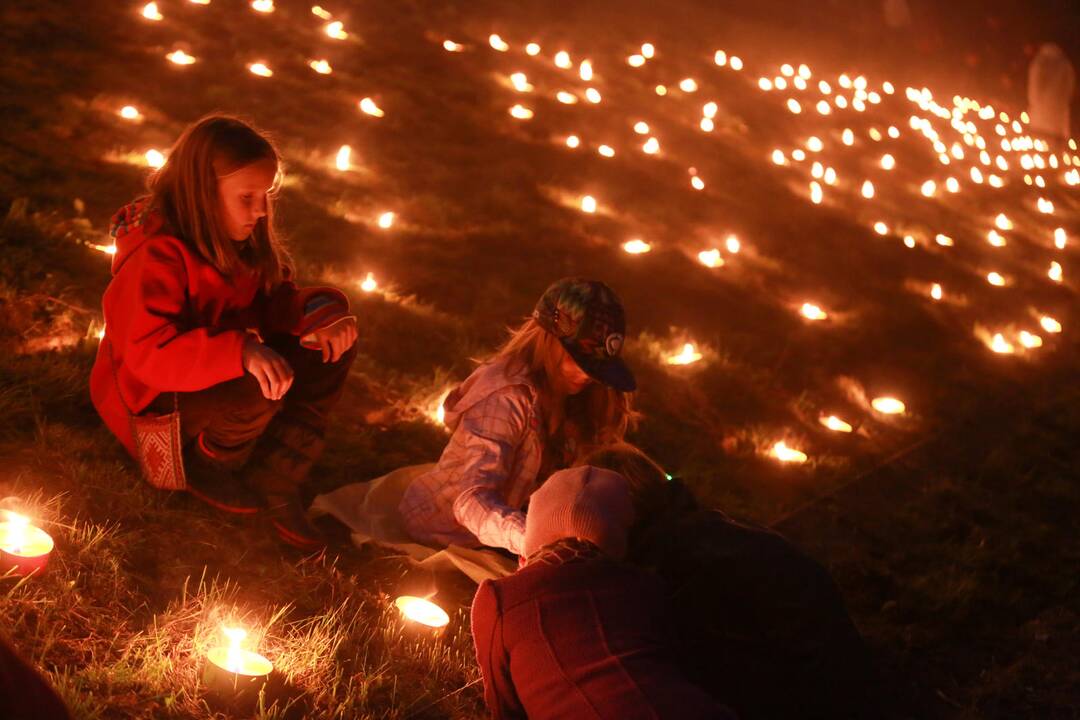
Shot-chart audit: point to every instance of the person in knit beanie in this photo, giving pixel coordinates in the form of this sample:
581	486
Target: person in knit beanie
587	503
575	632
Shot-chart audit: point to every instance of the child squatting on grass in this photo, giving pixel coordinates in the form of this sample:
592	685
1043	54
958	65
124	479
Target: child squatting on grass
203	318
576	633
555	389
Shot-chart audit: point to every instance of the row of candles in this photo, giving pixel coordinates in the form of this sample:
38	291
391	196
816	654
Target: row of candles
789	77
230	671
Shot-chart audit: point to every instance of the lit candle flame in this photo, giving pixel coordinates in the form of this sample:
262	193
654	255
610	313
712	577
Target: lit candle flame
497	43
336	30
732	244
812	312
321	66
343	156
451	46
130	112
179	57
711	258
1030	340
155	158
260	69
521	112
422	611
263	6
636	247
1002	222
1000	345
16	532
1049	324
234	660
1055	272
995	278
789	455
834	423
686	356
368	284
368	106
935	291
150	12
867	189
588	204
386	220
888	405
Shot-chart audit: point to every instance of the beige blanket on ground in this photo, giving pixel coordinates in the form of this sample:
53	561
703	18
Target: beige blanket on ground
370	510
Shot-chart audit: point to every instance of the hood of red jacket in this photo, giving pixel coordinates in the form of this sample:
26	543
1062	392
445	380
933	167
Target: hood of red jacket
131	226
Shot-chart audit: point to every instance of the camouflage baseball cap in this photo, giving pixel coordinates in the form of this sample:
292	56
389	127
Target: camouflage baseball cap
588	319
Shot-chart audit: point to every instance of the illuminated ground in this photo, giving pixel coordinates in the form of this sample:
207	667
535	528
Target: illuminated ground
948	525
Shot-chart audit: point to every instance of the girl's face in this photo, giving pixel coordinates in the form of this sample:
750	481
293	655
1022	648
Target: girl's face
243	197
572	379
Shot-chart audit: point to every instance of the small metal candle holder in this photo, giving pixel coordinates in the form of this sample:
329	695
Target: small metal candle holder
233	675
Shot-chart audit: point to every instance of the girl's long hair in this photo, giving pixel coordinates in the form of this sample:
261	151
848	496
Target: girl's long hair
185	189
598	415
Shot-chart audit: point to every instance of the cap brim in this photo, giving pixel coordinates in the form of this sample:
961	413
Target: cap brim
613	371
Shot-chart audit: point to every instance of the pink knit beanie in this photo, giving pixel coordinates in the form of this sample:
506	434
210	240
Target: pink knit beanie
583	502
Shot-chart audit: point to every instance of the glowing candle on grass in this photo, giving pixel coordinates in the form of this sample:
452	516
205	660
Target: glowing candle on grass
233	673
130	112
888	161
369	107
635	60
1030	340
497	43
521	112
24	548
566	98
710	258
787	455
179	57
636	247
573	141
368	284
651	146
155	158
834	423
929	188
881	228
935	291
588	204
424	612
995	279
686	356
562	60
260	69
1000	345
342	161
321	66
1055	272
263	6
386	220
697	183
606	151
1049	324
1060	238
995	238
520	82
336	30
150	12
888	405
532	49
1002	222
732	244
868	189
451	46
585	70
812	312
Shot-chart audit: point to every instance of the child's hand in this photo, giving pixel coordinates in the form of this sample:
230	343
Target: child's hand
270	369
334	340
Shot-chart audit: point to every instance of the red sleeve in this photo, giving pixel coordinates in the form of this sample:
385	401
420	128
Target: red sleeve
299	311
491	655
159	350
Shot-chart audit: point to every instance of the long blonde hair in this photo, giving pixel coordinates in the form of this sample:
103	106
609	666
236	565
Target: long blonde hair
598	415
185	189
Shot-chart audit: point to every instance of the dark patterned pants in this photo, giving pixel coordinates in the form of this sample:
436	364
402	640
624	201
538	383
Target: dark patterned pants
273	443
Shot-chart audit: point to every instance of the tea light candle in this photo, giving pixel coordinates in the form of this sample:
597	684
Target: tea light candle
24	548
423	612
234	673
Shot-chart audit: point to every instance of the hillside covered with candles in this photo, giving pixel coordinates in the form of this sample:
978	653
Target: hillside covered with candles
848	260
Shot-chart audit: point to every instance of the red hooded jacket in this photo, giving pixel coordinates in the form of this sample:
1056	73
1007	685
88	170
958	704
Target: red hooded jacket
173	323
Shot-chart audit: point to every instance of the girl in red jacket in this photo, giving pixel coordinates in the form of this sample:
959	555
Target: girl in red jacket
201	316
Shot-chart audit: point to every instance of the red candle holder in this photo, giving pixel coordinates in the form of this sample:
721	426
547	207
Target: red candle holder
24	548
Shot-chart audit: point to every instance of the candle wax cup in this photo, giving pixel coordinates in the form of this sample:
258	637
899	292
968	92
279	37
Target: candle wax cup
240	689
250	664
422	611
23	549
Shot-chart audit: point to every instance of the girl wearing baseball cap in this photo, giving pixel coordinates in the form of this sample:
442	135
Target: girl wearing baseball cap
557	388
